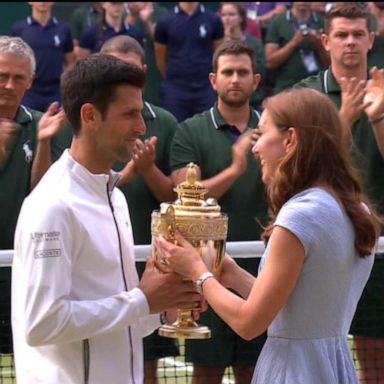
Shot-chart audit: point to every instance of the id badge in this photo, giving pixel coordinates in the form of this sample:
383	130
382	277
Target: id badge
310	62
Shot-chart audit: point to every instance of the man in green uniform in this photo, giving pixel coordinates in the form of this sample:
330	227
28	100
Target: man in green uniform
293	47
25	142
359	95
146	183
218	142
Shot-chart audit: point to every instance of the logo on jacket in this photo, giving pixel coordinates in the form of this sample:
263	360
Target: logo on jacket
28	152
203	31
57	40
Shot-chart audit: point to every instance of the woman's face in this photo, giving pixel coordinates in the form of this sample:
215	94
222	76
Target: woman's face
270	147
230	16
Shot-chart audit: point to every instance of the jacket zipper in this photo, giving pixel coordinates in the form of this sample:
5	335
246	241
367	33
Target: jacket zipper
124	279
86	360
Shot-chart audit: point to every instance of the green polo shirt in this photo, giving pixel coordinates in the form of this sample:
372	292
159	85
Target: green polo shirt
206	140
376	54
141	201
258	96
15	174
366	153
281	30
154	78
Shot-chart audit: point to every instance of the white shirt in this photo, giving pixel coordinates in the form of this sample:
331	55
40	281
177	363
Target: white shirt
76	314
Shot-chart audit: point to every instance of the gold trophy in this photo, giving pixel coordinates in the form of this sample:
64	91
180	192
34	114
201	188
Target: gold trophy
205	227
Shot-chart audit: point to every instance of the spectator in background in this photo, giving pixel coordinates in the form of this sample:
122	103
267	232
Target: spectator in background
376	53
185	40
218	142
145	16
360	100
25	139
112	24
260	13
293	48
51	41
234	20
146	182
84	17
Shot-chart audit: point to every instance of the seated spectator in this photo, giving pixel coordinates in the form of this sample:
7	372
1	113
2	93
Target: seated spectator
51	41
112	24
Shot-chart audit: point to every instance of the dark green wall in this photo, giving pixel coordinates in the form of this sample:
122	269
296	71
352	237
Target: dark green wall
11	12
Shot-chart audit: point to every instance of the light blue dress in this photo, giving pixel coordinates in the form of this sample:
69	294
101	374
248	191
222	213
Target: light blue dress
307	341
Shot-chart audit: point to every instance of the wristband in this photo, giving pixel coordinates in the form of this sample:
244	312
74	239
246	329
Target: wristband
200	281
377	120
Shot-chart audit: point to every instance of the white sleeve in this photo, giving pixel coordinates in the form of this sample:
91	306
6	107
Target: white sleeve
44	304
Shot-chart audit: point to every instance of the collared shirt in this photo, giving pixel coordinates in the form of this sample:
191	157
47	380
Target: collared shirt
50	44
15	174
365	151
95	36
206	140
141	201
280	31
189	39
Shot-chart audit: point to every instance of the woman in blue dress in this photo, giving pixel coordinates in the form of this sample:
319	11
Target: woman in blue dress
318	256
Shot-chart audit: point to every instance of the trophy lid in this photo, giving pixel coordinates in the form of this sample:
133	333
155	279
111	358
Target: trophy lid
191	197
194	216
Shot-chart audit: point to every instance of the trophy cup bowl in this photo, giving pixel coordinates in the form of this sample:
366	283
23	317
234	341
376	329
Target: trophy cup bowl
201	223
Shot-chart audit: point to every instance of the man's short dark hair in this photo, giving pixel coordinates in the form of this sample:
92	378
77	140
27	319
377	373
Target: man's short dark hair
233	47
348	10
123	44
94	80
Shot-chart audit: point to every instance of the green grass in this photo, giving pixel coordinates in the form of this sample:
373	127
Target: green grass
7	374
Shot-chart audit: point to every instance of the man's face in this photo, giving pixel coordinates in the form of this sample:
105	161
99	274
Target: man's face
348	42
15	79
122	125
234	81
114	10
42	6
301	6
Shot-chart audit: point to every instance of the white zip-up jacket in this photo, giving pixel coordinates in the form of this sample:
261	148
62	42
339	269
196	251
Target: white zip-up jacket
77	316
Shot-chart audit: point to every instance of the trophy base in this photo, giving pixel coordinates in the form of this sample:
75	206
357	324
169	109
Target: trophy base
172	331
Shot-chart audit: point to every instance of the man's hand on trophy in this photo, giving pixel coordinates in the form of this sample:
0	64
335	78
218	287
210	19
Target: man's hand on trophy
167	290
181	256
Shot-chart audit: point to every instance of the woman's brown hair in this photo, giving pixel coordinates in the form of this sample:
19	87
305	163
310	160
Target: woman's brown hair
321	155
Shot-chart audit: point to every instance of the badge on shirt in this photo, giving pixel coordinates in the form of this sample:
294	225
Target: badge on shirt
309	61
203	31
27	152
57	40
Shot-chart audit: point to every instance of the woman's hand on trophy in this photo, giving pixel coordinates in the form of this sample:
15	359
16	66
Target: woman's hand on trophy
167	290
181	256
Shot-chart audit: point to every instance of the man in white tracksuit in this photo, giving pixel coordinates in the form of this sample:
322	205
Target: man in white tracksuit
78	309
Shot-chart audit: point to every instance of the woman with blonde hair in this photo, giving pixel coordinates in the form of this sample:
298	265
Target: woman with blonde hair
318	257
